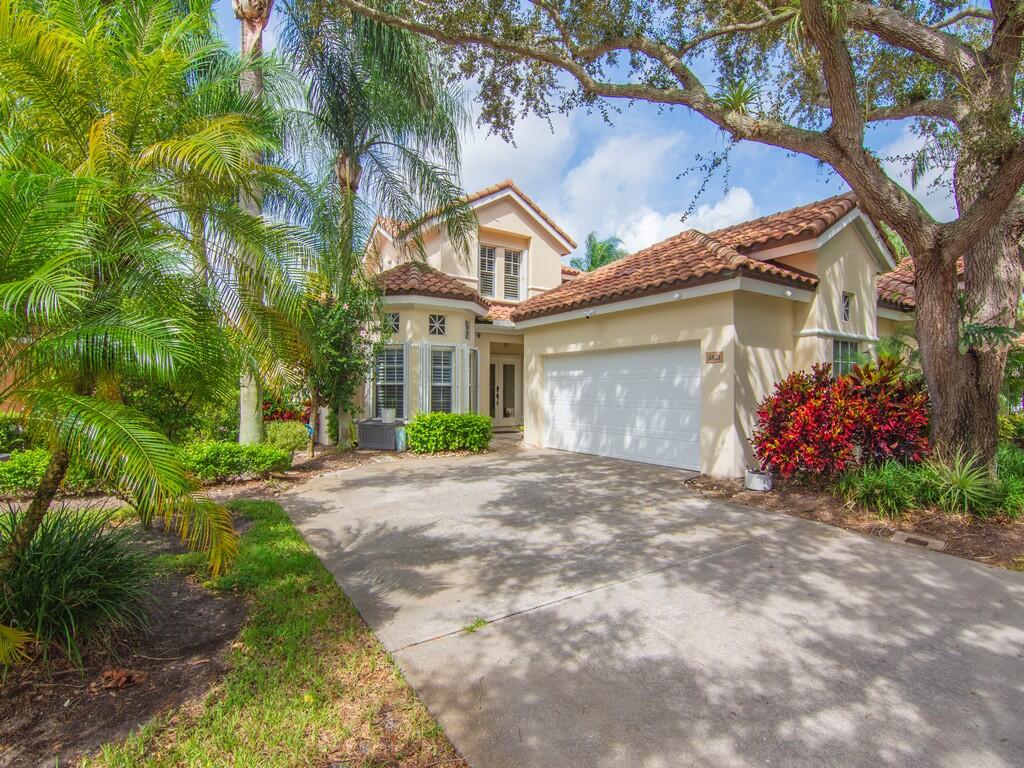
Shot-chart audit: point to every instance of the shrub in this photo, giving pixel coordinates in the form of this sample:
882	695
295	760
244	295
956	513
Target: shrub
214	462
13	436
813	424
437	432
959	484
1011	429
1011	491
23	471
288	436
81	580
1010	462
890	489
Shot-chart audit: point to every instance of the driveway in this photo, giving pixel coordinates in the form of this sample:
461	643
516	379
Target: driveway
632	623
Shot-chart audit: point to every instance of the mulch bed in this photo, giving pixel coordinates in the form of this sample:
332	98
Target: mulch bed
996	541
65	712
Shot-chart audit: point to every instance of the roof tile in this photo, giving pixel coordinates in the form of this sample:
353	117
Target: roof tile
419	279
794	225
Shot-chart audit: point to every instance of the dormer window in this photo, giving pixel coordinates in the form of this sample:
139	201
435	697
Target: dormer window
488	258
513	265
846	306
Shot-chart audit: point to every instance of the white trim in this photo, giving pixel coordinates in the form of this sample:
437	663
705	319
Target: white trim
894	314
870	235
749	284
430	301
833	334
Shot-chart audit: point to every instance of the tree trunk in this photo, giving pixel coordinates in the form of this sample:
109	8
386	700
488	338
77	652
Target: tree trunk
314	418
254	16
32	518
250	421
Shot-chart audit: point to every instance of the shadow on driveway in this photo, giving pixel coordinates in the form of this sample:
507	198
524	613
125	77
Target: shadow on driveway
635	624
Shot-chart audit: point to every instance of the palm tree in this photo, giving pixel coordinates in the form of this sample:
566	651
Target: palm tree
597	253
382	127
253	15
123	247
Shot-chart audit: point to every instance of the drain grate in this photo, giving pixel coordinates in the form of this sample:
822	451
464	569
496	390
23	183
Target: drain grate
917	540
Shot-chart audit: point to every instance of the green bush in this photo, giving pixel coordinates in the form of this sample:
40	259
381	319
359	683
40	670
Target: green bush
1011	429
288	436
438	432
891	489
81	580
13	436
214	462
959	484
23	471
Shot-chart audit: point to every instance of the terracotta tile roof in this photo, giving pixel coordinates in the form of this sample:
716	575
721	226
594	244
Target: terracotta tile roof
393	227
499	312
418	279
689	258
568	273
896	287
796	224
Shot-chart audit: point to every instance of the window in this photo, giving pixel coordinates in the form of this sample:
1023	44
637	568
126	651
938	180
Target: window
392	322
846	306
466	331
845	355
437	325
441	380
487	260
389	381
513	261
474	381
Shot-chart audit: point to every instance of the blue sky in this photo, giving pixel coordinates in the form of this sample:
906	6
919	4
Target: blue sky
622	179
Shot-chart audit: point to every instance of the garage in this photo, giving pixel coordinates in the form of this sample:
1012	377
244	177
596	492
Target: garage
640	404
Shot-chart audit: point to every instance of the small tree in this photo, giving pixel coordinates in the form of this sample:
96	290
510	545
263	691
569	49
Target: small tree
597	253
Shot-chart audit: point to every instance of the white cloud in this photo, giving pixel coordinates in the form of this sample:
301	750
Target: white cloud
936	199
647	226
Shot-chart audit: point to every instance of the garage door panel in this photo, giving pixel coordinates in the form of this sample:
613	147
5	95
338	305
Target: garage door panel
642	405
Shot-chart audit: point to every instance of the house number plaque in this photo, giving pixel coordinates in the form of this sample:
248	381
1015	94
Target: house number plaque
713	357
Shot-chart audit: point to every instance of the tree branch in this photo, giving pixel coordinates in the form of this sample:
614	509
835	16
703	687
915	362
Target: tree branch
894	28
990	206
939	109
966	13
840	81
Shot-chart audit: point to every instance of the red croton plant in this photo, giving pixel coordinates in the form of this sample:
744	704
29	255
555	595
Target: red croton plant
813	424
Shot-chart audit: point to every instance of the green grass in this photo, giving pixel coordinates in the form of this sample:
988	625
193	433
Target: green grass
477	624
309	684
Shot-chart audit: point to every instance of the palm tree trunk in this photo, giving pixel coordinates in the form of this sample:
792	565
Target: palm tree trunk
254	16
32	518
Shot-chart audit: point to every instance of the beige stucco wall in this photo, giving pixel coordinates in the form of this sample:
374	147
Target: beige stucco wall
504	224
707	321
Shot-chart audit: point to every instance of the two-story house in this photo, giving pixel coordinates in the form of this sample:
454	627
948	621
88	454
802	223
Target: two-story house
661	357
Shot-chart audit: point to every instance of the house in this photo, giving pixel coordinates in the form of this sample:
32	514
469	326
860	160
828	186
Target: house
661	357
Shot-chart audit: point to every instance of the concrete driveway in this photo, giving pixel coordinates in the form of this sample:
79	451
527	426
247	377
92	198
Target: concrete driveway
635	624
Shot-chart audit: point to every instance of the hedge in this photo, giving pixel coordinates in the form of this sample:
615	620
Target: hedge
215	462
438	432
207	462
286	435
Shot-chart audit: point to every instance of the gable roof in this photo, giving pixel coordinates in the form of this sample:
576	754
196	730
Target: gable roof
415	278
805	222
689	258
393	227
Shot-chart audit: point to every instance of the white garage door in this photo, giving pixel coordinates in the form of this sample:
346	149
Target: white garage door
638	404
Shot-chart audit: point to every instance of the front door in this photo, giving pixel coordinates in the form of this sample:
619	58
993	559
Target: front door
505	395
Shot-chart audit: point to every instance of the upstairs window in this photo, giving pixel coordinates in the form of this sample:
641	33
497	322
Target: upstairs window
389	381
513	264
392	323
845	355
441	380
846	306
487	261
437	325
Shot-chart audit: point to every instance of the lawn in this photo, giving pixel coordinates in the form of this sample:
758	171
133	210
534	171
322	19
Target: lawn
309	685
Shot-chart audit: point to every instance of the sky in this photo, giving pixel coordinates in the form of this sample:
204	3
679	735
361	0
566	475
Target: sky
624	179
